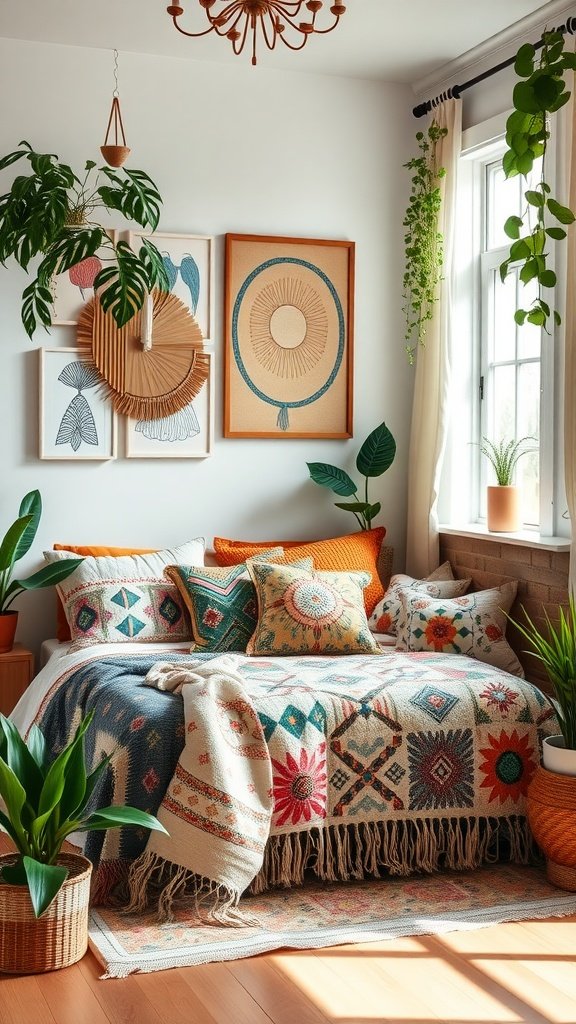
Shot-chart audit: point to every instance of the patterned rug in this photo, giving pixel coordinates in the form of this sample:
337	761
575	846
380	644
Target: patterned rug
321	914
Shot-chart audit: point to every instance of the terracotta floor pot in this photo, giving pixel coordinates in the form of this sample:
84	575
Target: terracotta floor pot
503	508
551	806
8	623
31	945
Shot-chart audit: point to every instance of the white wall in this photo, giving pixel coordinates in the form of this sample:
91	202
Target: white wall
232	149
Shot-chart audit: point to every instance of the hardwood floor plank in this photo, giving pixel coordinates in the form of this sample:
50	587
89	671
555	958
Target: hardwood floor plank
282	1001
222	995
122	1000
70	998
22	1001
173	998
330	989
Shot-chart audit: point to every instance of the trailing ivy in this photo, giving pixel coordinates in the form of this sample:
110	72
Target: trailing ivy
423	242
541	92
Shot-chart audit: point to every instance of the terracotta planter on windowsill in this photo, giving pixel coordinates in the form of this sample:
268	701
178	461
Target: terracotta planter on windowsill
503	509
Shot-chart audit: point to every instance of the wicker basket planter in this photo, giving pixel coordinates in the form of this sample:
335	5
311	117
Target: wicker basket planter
551	806
30	945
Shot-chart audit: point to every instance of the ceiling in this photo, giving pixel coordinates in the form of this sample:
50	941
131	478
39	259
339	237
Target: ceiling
393	40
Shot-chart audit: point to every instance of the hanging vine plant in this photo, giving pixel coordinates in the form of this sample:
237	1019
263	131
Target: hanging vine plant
423	242
542	92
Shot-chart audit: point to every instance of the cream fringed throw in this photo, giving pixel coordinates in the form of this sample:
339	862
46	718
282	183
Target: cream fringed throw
218	806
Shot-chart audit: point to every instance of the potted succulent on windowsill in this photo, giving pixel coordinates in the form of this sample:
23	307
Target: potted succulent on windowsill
49	214
44	893
17	542
552	792
503	500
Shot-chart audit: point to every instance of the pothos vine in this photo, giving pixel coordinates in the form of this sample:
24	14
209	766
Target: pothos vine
423	242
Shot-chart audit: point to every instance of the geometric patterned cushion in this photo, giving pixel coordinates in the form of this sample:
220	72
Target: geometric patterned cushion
305	612
355	552
221	602
440	583
147	610
111	600
474	625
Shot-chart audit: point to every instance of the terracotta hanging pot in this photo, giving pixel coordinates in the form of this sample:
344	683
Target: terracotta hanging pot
8	623
503	509
115	156
551	809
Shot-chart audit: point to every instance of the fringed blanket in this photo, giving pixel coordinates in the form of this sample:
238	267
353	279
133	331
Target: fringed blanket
396	763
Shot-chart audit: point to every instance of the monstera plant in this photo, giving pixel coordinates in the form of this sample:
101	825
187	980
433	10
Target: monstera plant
49	214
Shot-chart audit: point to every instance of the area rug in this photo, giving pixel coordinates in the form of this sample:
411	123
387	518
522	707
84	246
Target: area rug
320	914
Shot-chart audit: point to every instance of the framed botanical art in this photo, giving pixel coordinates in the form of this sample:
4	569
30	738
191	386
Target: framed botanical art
187	434
72	289
189	262
289	322
76	420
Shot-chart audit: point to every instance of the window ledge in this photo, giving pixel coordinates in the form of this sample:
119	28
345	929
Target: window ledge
525	538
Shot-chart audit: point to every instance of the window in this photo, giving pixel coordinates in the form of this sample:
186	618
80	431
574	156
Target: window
502	382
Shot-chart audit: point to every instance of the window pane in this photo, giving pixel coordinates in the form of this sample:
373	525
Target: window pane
503	403
504	326
529	426
529	336
503	201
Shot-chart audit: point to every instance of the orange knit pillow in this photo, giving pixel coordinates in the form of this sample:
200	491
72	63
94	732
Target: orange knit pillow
88	550
356	552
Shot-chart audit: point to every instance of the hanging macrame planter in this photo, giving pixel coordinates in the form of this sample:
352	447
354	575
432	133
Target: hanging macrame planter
115	153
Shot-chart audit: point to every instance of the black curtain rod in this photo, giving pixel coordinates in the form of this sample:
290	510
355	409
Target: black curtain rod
455	91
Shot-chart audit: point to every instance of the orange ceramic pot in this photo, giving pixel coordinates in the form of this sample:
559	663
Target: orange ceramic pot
503	509
551	809
8	623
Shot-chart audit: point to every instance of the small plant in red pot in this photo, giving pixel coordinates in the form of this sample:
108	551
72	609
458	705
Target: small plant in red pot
17	542
503	499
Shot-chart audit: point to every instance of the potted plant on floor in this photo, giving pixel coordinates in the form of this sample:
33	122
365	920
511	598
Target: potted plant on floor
503	500
44	893
49	214
552	792
17	542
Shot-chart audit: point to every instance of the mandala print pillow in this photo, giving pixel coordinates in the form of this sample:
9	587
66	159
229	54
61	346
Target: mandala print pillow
114	600
221	601
306	612
440	583
474	625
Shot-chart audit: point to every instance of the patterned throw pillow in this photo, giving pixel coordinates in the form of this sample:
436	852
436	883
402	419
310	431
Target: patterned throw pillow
221	602
474	625
114	600
305	612
440	583
356	552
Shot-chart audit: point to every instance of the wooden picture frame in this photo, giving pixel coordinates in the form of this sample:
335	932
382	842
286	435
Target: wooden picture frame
192	282
72	290
188	434
289	337
76	422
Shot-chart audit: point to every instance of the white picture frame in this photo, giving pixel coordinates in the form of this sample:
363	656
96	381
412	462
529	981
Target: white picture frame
171	437
76	421
69	296
196	288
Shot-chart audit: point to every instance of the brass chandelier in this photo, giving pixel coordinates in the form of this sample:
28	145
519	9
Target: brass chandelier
240	20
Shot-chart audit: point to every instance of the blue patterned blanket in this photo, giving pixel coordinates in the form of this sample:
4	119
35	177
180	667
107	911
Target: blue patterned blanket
401	762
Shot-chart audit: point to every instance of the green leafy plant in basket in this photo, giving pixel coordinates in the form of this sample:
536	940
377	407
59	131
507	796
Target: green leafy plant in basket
48	214
540	93
375	456
46	800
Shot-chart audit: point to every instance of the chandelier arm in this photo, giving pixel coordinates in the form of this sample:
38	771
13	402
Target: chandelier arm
239	46
191	35
325	31
283	8
291	47
275	32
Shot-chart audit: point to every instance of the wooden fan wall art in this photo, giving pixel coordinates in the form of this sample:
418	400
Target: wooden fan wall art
147	382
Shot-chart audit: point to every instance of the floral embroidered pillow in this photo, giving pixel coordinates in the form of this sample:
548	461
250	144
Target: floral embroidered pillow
305	612
474	624
440	583
221	601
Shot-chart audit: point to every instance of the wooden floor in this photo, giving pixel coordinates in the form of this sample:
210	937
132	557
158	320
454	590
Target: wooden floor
509	973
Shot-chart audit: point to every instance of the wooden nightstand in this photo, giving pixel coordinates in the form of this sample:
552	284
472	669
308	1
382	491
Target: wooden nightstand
16	672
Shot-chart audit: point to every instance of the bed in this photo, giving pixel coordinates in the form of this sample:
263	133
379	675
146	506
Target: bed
389	763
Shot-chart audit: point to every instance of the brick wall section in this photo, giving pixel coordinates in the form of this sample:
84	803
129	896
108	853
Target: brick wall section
542	583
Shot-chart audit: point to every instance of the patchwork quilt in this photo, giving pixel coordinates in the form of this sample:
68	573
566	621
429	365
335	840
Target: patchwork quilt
398	762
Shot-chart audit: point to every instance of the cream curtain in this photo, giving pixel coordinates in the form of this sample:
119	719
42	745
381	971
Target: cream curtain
429	412
569	147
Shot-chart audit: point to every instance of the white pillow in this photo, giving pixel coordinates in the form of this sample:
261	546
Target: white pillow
114	600
440	583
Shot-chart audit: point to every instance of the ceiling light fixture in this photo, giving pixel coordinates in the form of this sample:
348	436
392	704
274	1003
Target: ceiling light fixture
238	20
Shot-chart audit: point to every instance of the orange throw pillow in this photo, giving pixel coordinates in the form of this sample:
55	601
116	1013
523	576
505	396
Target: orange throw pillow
357	552
88	550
